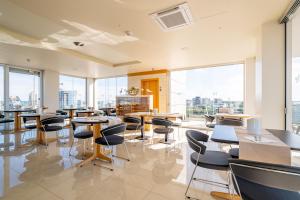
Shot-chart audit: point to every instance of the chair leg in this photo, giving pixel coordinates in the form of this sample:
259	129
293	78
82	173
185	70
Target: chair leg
46	139
126	149
71	147
192	177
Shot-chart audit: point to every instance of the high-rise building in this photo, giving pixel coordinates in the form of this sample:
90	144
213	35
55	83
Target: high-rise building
196	101
66	98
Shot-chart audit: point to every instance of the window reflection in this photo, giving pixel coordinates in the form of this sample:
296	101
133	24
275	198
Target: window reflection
72	92
106	91
24	89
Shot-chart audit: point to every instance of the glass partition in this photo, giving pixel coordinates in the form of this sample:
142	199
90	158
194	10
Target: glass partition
1	88
24	89
72	92
202	91
293	74
107	89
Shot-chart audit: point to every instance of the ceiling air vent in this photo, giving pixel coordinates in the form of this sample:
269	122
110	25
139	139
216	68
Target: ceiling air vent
173	18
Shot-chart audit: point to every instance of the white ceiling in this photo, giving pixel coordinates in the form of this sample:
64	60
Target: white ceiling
223	31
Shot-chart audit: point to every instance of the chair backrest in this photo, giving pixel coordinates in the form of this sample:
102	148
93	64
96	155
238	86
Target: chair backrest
61	112
1	116
257	180
194	138
209	118
161	122
230	122
26	119
115	129
52	120
133	120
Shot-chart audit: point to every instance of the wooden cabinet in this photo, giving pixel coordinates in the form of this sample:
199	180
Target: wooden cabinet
130	104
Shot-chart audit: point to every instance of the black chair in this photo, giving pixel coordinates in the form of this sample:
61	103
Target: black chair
133	123
230	121
216	160
62	114
109	137
52	124
4	120
80	134
30	124
260	181
164	128
234	152
209	119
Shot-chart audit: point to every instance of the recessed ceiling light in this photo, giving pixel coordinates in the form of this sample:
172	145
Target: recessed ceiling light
128	33
80	44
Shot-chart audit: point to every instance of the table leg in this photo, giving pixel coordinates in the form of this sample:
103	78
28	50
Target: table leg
98	153
40	135
17	121
224	195
142	136
71	113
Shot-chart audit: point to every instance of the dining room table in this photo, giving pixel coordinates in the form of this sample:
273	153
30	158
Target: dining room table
17	118
72	110
259	145
143	115
96	123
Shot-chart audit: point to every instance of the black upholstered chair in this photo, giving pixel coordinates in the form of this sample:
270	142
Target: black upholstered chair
80	134
234	152
62	114
164	127
29	124
260	181
111	136
4	120
133	123
52	124
216	160
209	119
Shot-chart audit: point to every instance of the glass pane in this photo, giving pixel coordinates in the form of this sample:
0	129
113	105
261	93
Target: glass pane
1	88
296	72
122	84
72	92
112	92
106	91
24	89
208	90
100	93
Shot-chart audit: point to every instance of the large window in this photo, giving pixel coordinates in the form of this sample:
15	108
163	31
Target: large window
1	88
24	89
208	90
106	91
293	73
72	92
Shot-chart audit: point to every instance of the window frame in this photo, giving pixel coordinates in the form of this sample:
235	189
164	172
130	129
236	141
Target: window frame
6	69
106	86
73	76
209	66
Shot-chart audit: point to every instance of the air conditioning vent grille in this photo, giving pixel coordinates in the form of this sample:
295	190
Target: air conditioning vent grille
173	18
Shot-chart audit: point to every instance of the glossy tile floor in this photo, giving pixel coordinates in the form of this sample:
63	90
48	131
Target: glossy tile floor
156	171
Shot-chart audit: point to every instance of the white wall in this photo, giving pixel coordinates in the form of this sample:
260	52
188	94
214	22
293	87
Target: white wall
135	81
270	76
249	74
51	90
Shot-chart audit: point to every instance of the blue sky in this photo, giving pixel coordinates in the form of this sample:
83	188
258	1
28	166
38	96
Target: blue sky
226	82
